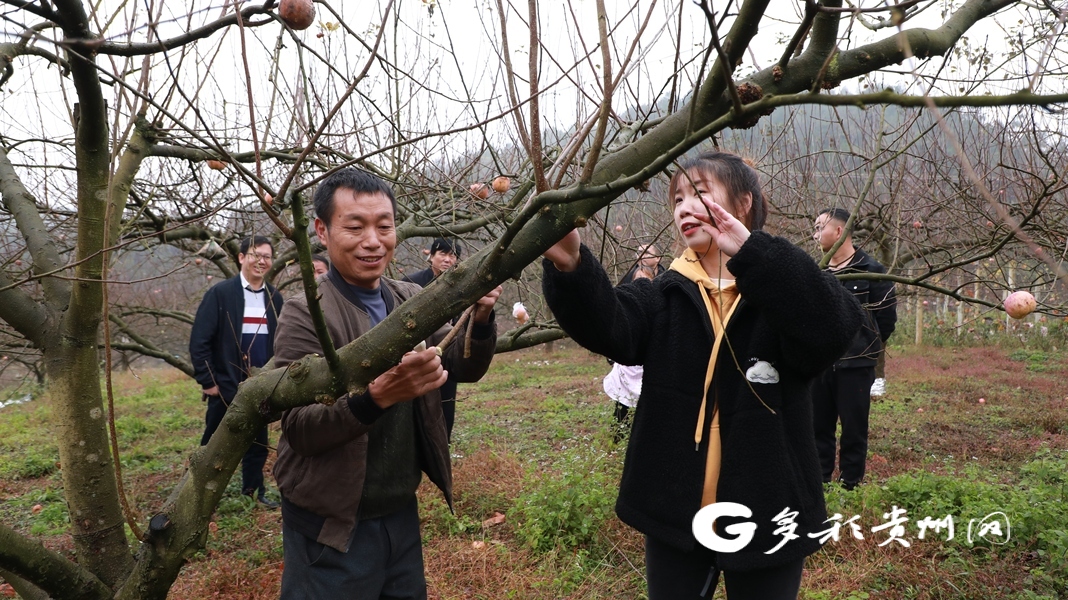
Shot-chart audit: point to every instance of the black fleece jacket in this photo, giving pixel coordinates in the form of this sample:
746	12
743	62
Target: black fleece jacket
791	316
880	307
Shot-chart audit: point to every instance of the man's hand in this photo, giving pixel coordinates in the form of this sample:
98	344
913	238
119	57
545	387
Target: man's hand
484	306
212	391
417	374
565	253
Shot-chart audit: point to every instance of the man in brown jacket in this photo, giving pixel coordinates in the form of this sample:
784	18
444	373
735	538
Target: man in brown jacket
348	472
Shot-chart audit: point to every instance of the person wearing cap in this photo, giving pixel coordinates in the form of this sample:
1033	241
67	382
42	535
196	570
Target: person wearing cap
444	253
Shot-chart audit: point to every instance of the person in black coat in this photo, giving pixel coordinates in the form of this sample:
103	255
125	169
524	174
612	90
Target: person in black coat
731	337
444	254
648	261
843	392
233	332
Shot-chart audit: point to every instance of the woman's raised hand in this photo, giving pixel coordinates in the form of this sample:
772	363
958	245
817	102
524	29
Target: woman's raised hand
728	232
565	253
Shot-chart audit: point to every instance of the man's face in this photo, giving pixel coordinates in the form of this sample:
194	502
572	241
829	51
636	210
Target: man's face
827	231
255	264
360	237
442	261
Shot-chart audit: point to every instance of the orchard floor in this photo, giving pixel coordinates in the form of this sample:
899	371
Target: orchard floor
535	472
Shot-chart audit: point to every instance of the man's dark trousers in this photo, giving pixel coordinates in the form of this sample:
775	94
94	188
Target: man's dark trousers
843	393
384	562
256	455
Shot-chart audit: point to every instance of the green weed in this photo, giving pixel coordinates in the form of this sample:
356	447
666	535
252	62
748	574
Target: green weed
565	509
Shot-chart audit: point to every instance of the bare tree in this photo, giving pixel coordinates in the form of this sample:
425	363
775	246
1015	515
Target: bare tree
134	134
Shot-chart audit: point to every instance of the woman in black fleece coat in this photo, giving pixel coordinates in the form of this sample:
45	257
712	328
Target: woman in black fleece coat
747	438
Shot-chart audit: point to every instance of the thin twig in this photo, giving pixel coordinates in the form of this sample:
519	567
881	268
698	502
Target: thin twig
455	329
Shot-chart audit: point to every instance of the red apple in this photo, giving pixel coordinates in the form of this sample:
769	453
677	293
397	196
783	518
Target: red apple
479	190
1020	304
502	184
209	277
18	262
199	261
917	224
298	14
919	409
36	508
216	165
982	401
269	199
619	229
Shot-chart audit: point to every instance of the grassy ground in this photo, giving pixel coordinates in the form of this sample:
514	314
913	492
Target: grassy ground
536	475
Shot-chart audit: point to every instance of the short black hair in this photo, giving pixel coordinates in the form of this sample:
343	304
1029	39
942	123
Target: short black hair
360	182
445	245
841	215
254	241
321	258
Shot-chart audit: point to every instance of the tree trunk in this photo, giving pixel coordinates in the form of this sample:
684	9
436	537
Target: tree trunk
80	419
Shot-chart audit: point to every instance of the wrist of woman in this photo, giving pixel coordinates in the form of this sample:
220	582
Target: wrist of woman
571	264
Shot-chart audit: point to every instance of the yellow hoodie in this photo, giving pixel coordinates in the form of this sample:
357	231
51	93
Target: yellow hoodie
720	296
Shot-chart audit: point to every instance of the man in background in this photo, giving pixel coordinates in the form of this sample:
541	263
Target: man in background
233	333
843	392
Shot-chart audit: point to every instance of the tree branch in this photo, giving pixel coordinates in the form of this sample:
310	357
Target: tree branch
145	346
520	338
25	589
138	49
39	242
61	578
171	359
34	8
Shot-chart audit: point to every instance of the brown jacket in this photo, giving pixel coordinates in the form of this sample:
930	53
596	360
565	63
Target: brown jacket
322	451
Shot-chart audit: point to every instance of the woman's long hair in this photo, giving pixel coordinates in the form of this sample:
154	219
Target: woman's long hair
738	177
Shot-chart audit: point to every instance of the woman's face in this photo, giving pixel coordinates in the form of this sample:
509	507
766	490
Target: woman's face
690	195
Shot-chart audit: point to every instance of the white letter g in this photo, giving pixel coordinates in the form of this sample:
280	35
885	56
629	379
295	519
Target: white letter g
705	520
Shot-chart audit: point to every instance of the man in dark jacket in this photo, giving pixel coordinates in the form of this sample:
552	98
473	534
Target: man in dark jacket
843	392
348	470
233	333
444	254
